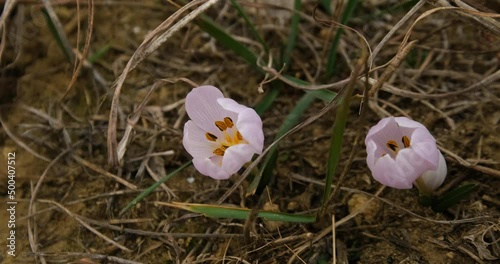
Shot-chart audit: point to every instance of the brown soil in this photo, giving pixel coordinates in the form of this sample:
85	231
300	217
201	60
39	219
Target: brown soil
75	216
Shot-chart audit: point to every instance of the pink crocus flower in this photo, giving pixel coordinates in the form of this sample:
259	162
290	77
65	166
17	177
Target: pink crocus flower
400	151
222	135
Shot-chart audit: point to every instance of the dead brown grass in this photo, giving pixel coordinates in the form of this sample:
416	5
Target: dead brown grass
90	138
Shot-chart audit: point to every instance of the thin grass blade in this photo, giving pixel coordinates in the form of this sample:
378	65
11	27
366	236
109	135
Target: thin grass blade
332	54
256	34
293	118
338	132
99	54
294	28
217	211
454	196
57	31
153	187
209	26
225	39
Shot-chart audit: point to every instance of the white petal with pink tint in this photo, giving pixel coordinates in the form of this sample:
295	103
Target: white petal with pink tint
400	150
209	167
432	179
195	142
222	135
203	109
249	123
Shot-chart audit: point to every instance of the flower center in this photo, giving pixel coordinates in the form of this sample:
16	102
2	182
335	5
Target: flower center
393	145
230	136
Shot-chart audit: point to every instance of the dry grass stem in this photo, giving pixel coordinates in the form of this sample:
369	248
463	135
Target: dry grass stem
150	44
91	135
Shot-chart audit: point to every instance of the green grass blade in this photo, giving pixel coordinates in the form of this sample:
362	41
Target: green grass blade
454	196
294	28
209	26
324	95
336	141
262	179
256	34
269	98
326	4
99	54
225	39
401	7
217	211
153	187
57	31
332	55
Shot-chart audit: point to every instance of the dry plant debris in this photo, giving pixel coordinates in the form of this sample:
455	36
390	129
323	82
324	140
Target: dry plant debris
89	136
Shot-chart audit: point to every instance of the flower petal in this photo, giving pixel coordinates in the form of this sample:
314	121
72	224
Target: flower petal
401	168
405	122
373	153
387	129
432	179
424	145
236	156
209	167
195	141
391	173
248	123
203	109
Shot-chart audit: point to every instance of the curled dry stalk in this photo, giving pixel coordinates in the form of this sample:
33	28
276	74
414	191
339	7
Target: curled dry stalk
394	29
134	117
393	65
482	18
82	58
151	43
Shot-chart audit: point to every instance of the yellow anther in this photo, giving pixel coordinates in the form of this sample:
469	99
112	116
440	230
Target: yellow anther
210	137
392	145
229	138
221	125
406	141
228	121
219	152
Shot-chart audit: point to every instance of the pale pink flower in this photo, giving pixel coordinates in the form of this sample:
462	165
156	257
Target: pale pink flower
432	179
222	135
400	151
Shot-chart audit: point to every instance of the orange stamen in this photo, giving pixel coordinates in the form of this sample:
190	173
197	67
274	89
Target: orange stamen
406	141
392	145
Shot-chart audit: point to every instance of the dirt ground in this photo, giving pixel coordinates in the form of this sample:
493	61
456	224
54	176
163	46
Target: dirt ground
69	196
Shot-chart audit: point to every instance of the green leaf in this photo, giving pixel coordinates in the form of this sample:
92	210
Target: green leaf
243	14
426	200
57	31
269	98
326	4
225	39
290	121
332	54
217	211
211	27
336	141
99	54
294	28
153	187
293	118
401	7
454	196
324	95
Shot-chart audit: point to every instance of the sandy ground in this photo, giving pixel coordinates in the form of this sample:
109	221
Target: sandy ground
69	196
